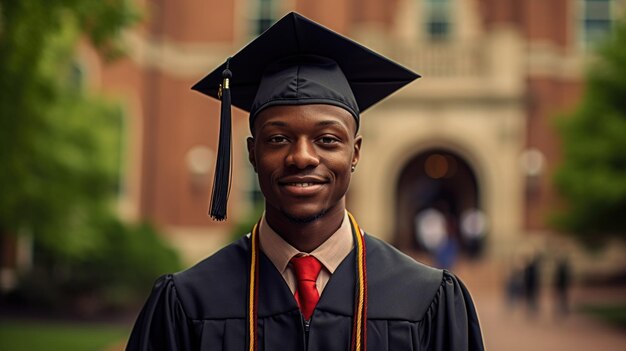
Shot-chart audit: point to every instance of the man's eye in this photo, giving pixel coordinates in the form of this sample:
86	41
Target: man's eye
328	140
277	139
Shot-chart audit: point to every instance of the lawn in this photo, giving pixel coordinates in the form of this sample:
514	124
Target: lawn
614	314
35	336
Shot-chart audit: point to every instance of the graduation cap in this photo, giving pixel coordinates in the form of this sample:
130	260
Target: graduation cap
295	62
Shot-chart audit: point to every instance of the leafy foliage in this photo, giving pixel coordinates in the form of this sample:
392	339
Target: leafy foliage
60	153
592	177
55	139
115	274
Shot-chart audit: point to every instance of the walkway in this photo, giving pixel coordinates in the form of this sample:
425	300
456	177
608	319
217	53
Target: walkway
514	330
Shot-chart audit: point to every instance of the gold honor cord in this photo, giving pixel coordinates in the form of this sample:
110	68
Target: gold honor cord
359	328
253	289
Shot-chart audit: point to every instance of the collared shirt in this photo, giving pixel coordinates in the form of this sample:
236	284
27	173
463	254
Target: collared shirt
330	253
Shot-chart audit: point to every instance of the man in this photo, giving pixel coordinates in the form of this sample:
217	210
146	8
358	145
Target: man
307	277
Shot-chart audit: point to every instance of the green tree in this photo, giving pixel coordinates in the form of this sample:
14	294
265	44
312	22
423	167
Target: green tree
592	178
60	158
55	138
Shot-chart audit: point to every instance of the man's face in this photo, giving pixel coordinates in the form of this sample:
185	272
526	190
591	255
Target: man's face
303	156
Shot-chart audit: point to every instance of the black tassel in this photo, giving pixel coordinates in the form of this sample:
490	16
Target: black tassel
221	181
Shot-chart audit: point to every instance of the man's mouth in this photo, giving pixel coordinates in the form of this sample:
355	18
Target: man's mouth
302	181
302	187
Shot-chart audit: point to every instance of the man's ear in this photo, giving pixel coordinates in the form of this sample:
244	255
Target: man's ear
250	144
357	150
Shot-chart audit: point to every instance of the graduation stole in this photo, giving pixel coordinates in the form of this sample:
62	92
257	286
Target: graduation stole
359	324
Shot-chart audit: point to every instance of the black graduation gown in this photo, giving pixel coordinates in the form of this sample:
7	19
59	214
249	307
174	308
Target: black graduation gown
410	307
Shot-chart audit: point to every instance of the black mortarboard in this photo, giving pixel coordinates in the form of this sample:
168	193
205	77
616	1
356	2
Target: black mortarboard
295	62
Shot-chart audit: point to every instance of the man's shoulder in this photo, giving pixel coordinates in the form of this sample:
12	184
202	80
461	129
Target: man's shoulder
398	286
387	258
218	278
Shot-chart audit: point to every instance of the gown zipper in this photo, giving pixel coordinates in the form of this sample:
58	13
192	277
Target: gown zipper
306	325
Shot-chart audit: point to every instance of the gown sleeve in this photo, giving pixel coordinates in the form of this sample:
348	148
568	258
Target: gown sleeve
162	323
451	322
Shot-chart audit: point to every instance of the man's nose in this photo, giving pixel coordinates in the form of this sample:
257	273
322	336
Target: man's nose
302	154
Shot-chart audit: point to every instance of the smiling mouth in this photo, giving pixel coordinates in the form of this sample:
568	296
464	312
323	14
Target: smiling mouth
302	188
301	185
302	181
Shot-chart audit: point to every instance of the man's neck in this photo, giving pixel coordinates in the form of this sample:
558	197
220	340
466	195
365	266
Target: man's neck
306	237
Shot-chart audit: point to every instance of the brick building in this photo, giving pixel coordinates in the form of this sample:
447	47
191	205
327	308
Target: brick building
476	130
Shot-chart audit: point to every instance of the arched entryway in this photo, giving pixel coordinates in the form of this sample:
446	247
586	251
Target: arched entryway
438	203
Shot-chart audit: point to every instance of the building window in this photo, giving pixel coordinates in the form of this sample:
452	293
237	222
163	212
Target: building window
264	14
438	19
595	22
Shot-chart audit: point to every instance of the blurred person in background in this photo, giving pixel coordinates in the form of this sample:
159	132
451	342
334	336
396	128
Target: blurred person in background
435	229
306	277
431	229
562	282
473	230
514	287
531	283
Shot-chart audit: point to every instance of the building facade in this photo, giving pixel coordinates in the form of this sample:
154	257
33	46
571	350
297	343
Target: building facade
476	131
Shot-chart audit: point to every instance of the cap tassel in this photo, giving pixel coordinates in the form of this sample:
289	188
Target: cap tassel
221	181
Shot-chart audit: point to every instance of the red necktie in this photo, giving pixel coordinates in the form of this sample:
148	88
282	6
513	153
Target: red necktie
307	269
